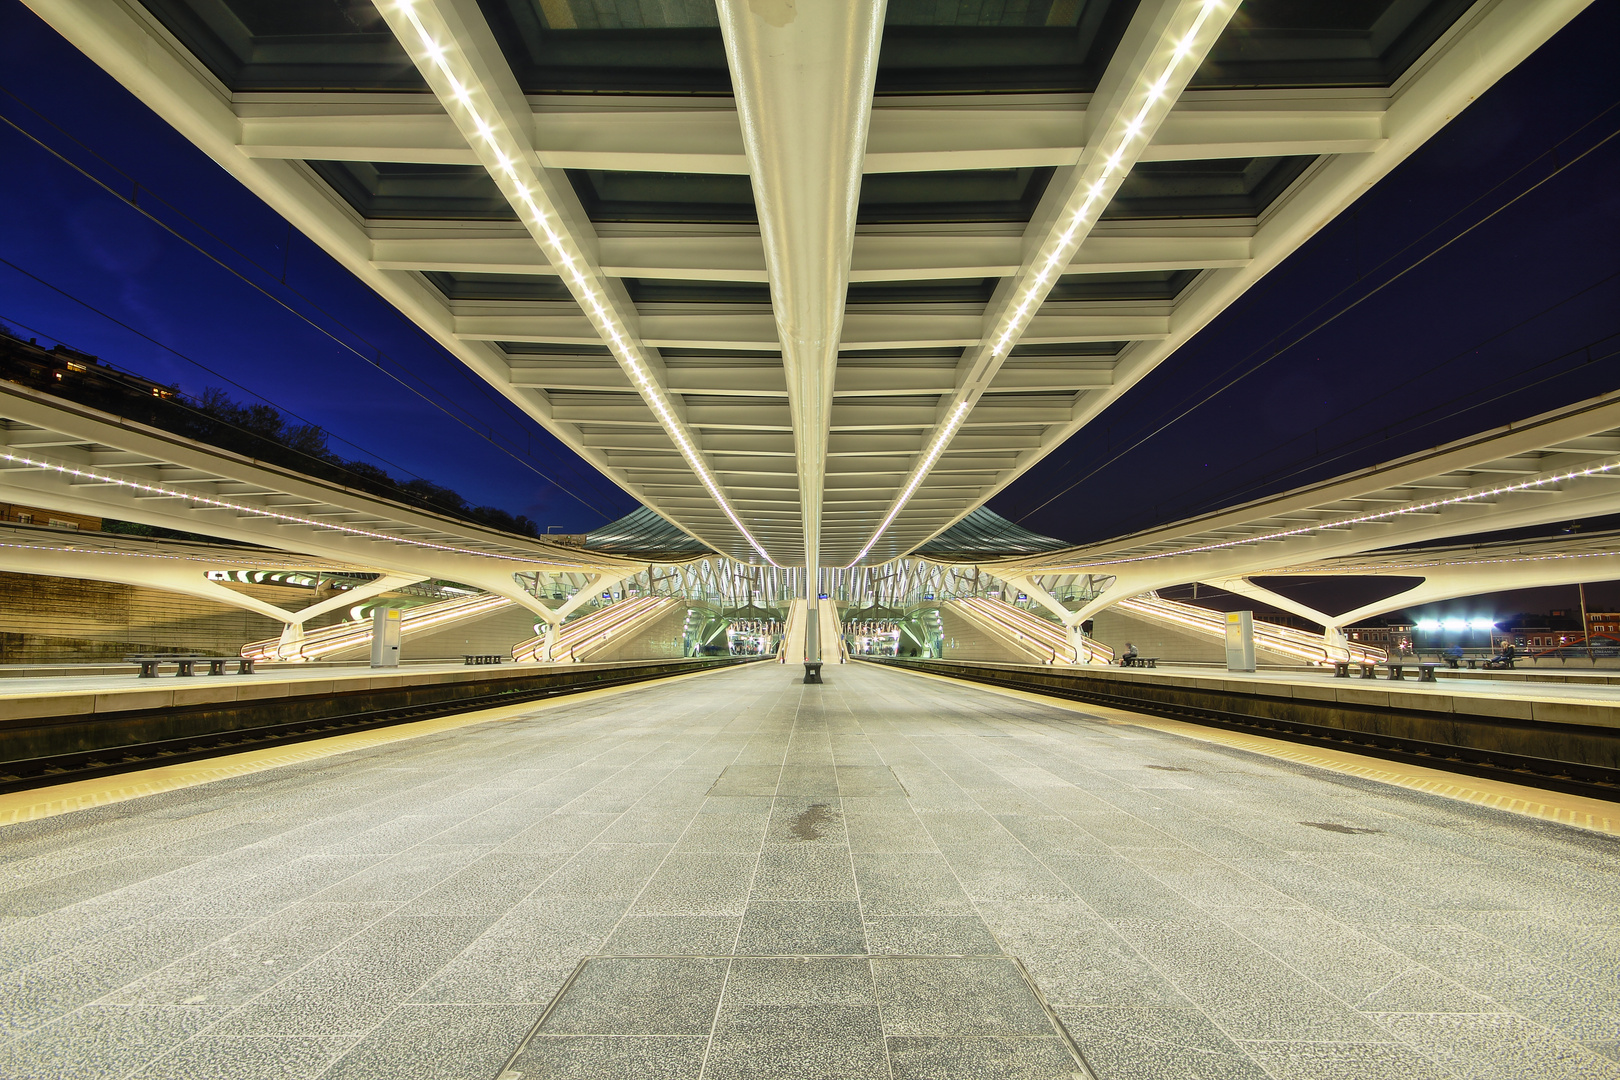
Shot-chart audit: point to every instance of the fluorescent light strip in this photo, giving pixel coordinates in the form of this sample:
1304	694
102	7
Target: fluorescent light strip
509	164
936	447
211	562
1410	508
1374	569
291	519
1105	175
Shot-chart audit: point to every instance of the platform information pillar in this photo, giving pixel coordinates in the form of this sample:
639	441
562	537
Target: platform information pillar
385	624
1240	641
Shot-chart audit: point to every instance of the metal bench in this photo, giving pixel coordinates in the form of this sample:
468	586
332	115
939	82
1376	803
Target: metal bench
1139	661
470	658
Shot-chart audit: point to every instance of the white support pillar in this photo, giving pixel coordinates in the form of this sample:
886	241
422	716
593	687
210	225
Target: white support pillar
293	632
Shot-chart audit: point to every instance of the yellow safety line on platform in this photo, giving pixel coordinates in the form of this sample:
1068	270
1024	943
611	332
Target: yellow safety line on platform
36	803
1595	815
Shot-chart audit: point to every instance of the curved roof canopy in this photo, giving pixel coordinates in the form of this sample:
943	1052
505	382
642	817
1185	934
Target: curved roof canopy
813	291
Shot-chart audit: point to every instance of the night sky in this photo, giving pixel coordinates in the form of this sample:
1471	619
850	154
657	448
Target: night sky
1518	316
62	228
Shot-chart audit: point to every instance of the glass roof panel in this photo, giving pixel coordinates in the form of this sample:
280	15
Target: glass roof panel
944	291
929	46
960	46
396	190
642	532
985	532
290	44
1066	349
1140	285
677	197
666	291
463	286
1302	43
1223	187
520	349
612	46
960	195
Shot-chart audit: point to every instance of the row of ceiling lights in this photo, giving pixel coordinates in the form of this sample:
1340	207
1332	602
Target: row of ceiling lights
523	185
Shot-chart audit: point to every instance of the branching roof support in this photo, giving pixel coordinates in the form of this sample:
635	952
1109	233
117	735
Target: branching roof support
803	77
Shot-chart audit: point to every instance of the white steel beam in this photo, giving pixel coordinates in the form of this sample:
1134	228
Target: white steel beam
702	255
1162	47
803	86
454	49
1490	40
907	135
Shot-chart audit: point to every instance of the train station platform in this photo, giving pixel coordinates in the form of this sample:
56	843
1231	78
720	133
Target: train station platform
1574	699
737	875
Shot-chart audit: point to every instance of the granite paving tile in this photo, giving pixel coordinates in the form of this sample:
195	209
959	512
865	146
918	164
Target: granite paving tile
631	996
1185	923
101	1042
436	1042
206	1057
354	986
594	1057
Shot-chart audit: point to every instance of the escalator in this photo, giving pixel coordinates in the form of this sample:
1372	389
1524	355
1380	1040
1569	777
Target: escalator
579	639
356	635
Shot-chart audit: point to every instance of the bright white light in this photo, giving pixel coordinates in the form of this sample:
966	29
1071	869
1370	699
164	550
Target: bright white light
1481	624
1454	625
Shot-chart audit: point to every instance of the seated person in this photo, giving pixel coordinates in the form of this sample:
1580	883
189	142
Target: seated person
1454	656
1128	657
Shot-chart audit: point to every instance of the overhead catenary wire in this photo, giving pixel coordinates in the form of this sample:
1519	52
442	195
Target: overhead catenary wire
180	403
372	355
1204	397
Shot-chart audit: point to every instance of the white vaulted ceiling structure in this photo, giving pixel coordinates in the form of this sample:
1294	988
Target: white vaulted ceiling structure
813	280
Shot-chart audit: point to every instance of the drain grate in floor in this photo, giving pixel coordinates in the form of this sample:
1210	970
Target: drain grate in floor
797	1018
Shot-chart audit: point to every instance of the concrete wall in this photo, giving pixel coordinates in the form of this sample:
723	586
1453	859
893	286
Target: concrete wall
69	620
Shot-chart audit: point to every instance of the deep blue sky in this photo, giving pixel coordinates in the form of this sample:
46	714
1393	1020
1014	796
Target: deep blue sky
1479	335
63	229
1393	375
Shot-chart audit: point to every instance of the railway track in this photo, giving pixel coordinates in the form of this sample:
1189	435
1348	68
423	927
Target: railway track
1594	781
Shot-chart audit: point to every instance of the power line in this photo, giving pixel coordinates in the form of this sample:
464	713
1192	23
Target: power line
374	360
1206	396
1347	447
180	402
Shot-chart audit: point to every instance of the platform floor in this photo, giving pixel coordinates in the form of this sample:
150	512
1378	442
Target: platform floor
1186	909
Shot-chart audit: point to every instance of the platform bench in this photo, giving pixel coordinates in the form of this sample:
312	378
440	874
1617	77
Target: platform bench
1139	661
1341	669
469	658
187	665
